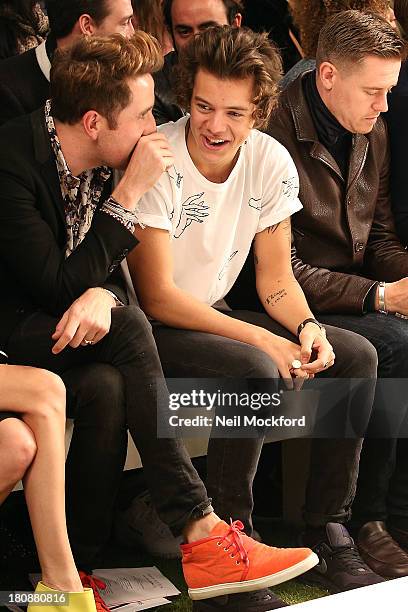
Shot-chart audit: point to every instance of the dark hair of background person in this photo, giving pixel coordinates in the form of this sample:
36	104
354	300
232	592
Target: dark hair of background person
148	16
22	26
310	17
274	17
401	13
231	6
63	14
232	53
93	74
351	36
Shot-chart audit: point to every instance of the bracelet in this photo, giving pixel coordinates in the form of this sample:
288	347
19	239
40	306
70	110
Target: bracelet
399	315
381	298
306	321
115	297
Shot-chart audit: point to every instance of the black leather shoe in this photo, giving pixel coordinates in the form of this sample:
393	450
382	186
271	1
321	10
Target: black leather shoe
255	601
341	568
381	552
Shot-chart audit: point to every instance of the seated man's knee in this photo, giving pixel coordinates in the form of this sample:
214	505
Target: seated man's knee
355	355
255	363
18	448
97	394
131	323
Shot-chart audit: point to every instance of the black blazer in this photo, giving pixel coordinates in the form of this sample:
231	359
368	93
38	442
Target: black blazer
34	273
23	86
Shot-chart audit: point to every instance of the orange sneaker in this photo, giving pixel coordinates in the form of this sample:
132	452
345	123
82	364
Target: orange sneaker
228	561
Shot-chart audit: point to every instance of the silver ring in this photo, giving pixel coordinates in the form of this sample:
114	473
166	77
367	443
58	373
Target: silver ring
88	342
296	364
326	364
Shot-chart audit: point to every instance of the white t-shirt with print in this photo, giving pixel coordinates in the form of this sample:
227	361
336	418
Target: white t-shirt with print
212	225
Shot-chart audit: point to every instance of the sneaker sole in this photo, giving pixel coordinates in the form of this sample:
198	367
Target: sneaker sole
257	583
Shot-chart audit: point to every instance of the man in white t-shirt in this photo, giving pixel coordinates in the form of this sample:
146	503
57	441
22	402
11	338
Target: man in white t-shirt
232	185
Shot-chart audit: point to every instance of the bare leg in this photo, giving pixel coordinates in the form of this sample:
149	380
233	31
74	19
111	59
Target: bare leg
17	451
40	398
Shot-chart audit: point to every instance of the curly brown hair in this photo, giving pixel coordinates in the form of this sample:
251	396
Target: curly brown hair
311	15
232	53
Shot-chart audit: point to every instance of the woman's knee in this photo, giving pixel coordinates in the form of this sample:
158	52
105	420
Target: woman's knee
48	396
17	447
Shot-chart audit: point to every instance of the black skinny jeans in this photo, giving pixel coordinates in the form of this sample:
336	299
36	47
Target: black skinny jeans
232	463
119	393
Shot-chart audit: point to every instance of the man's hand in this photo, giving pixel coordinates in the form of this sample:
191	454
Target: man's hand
283	352
86	321
313	339
396	297
150	158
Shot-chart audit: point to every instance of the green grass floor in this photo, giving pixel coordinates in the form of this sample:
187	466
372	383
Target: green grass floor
273	532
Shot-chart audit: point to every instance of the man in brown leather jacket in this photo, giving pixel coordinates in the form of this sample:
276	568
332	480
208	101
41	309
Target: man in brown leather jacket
346	254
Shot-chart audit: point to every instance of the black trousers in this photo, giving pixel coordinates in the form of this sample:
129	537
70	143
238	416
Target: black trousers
232	463
112	386
382	489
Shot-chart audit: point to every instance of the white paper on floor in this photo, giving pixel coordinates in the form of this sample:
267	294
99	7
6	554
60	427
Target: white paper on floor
128	585
142	605
137	586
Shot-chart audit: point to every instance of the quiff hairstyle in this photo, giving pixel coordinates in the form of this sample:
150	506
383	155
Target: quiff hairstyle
93	74
233	54
350	36
232	8
311	15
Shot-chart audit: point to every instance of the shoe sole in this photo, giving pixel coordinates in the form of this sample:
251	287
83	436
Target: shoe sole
257	583
324	583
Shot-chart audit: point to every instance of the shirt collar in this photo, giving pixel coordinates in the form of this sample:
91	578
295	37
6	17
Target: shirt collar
329	130
43	60
63	168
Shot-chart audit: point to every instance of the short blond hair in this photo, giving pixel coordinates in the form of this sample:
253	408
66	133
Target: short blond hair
93	74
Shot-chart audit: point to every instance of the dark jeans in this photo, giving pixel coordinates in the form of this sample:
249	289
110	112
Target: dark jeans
382	489
232	463
114	387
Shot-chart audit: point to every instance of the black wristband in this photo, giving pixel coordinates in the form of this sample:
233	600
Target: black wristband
304	323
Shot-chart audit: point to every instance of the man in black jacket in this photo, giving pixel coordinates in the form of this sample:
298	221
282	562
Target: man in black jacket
24	79
64	233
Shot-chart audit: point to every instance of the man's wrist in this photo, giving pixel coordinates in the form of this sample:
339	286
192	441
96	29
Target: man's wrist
115	298
381	304
310	321
127	197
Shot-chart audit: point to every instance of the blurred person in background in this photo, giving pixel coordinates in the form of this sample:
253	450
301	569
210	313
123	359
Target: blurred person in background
310	17
274	17
23	25
148	16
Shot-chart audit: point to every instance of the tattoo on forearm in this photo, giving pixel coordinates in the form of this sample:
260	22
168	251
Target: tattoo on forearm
276	297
